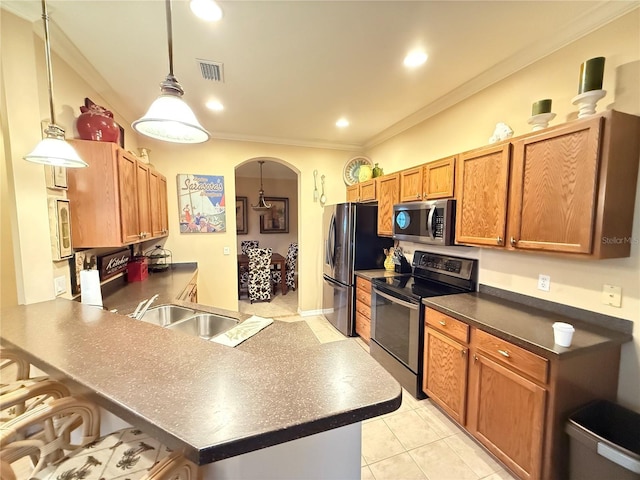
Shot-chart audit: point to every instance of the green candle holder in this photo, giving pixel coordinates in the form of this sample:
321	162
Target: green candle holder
591	75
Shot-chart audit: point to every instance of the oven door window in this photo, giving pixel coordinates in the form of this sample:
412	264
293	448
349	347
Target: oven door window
396	328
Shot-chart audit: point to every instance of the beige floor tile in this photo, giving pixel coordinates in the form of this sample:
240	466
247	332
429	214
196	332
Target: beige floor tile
438	421
323	330
439	462
362	343
476	458
398	467
379	442
362	461
410	400
411	429
365	474
500	475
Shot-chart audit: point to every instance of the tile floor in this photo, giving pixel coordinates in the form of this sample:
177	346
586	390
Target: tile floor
417	441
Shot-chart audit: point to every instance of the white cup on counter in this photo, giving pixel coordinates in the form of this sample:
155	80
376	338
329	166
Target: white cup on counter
563	333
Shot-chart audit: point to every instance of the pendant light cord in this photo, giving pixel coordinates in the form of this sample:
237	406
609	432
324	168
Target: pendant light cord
47	56
169	35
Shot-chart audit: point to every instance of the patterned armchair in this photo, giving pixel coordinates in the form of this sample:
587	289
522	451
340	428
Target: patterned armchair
290	264
259	274
243	274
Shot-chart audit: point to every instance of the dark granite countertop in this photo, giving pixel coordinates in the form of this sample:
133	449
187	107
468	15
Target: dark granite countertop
210	400
524	325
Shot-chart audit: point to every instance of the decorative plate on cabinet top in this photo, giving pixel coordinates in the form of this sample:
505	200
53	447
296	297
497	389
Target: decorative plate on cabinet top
351	169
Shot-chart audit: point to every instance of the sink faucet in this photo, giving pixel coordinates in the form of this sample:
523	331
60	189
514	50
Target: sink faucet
146	306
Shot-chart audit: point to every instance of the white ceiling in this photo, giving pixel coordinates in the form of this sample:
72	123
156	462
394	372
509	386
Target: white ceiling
292	68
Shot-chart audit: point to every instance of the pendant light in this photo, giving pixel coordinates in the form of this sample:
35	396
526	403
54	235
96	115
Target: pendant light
169	118
262	206
53	149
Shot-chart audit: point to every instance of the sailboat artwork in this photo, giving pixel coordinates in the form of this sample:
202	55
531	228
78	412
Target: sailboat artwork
201	203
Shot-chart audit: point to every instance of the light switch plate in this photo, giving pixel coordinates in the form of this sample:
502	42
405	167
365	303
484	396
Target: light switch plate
60	285
226	250
612	295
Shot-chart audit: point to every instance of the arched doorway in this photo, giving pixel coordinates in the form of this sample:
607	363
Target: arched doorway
275	229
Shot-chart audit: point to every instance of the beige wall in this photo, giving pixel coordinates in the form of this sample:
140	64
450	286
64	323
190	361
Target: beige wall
273	187
470	123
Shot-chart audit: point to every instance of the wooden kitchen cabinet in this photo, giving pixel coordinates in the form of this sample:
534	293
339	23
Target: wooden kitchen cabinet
411	184
482	181
446	351
388	196
506	406
362	192
438	179
363	308
158	203
112	197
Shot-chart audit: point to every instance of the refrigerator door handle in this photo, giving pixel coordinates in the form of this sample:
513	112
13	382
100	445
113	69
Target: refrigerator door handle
331	242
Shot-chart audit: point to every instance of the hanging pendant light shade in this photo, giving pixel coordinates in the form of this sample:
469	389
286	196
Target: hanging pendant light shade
262	206
169	118
53	149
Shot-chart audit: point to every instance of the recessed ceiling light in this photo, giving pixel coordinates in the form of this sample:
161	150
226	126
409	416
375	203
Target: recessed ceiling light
206	10
415	59
343	122
215	105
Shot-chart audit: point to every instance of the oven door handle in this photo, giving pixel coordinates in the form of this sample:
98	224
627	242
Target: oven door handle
413	306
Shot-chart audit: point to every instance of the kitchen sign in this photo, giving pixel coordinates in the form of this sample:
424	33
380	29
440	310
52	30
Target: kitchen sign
113	263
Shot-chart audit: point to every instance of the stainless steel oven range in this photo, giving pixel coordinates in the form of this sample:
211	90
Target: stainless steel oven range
397	312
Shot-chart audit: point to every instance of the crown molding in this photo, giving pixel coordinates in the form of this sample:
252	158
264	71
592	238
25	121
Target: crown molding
293	142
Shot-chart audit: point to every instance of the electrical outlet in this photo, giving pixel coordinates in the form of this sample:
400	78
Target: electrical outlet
226	250
60	285
612	295
544	282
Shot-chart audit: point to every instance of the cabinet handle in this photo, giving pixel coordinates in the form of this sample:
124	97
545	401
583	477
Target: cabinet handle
463	353
424	194
475	358
499	240
443	323
504	353
513	241
417	195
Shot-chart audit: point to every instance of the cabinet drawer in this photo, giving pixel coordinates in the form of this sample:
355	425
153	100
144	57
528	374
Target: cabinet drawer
363	284
363	296
509	354
447	325
363	309
363	327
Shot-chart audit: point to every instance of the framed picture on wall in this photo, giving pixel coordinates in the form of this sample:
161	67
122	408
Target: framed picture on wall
276	220
242	227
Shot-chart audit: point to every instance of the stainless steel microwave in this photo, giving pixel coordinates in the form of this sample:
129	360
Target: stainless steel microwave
425	222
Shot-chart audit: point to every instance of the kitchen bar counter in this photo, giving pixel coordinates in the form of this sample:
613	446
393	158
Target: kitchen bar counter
211	401
524	325
371	274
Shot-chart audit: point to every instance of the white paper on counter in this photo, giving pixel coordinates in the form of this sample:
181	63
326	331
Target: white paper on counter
242	331
90	293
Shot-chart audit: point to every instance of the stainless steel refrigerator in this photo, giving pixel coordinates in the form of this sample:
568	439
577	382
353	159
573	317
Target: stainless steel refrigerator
351	243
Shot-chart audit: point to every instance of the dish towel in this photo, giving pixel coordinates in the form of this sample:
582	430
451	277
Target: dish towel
242	331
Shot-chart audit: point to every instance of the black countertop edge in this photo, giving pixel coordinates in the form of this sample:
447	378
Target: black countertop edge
599	319
549	352
268	439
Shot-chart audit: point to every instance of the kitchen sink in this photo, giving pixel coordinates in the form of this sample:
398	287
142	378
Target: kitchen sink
204	325
165	315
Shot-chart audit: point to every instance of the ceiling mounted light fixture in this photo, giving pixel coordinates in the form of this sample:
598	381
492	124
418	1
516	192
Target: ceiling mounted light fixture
169	118
415	59
207	10
262	206
53	149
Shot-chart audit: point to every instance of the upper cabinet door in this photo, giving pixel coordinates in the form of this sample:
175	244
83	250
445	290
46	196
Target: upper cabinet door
164	216
554	189
128	180
388	195
438	179
353	193
154	203
482	185
144	199
411	184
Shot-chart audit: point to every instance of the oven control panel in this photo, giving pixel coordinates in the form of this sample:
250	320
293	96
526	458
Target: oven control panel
455	267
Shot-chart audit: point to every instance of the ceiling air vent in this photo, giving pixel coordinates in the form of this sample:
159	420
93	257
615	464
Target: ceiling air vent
210	70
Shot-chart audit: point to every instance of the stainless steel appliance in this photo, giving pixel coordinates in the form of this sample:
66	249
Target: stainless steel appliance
397	312
351	243
430	222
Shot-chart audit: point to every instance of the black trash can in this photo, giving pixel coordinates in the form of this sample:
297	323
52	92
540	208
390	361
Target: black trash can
604	443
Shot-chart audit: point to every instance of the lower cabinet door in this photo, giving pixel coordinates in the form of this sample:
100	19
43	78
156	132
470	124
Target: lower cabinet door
506	414
445	373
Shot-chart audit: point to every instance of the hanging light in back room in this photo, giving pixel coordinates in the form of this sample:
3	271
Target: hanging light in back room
169	118
53	149
262	205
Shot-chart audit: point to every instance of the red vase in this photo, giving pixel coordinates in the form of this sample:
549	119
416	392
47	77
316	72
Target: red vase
97	123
